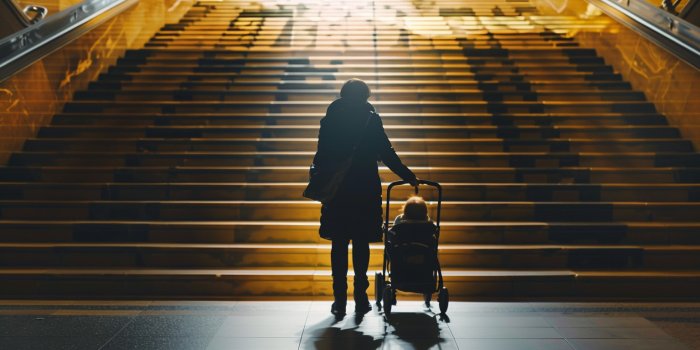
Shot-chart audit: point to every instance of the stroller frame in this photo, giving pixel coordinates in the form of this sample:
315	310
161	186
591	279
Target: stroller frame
384	291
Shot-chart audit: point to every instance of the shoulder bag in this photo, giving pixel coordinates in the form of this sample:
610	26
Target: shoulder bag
324	182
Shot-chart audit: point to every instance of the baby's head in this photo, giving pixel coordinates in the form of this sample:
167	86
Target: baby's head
415	208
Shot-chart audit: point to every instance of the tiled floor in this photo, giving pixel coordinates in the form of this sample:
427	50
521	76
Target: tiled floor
171	325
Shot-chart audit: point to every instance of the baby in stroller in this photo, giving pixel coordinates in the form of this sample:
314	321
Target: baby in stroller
415	210
413	248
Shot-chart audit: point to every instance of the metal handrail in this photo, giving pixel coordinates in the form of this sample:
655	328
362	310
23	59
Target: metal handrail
667	30
42	37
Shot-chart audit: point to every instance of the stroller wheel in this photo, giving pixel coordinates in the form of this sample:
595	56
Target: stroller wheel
388	299
426	298
378	287
443	300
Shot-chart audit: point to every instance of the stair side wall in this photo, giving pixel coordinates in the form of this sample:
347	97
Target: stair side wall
670	83
29	99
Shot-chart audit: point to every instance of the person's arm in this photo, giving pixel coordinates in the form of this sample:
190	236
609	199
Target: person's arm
389	156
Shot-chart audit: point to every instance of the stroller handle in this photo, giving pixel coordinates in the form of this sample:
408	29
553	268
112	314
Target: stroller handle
420	182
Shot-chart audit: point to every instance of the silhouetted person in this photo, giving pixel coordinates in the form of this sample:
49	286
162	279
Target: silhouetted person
355	213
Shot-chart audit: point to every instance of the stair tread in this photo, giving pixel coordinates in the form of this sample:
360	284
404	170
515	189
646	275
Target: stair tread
234	223
311	203
376	103
407	153
301	247
307	139
304	169
263	273
386	127
303	184
320	115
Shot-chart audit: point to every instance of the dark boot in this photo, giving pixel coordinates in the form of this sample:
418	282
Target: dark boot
362	304
338	308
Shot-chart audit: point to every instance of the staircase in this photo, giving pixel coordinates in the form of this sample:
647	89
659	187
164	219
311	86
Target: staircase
178	173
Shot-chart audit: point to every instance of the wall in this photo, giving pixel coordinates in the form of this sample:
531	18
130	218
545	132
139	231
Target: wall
670	83
29	99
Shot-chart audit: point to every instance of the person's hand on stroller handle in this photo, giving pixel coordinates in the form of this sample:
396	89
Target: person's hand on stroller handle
413	182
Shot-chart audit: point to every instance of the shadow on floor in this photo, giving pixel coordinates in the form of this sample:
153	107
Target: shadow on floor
346	333
413	330
417	330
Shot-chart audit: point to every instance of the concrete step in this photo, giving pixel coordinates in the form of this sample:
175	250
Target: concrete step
378	85
433	159
293	190
297	232
367	50
231	283
326	95
514	119
382	33
332	43
459	76
417	107
452	256
446	69
225	174
528	132
309	144
304	210
145	56
141	57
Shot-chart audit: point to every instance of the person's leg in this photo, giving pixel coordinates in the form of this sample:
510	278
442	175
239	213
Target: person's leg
360	261
339	268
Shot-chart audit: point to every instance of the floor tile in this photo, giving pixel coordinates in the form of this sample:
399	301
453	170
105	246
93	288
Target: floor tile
626	344
611	321
484	321
219	343
274	306
505	332
513	344
602	333
61	326
174	326
297	319
276	331
52	343
261	326
157	343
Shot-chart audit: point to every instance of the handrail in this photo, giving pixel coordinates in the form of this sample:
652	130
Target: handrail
29	45
675	34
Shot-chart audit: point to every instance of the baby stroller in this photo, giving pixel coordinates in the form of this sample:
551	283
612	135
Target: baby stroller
411	258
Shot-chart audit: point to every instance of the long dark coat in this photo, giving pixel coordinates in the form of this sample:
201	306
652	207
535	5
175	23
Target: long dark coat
356	210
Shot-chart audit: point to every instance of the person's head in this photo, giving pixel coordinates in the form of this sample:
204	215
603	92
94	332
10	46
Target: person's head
355	89
415	208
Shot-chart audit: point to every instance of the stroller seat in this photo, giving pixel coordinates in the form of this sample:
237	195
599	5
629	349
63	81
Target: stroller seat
412	250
